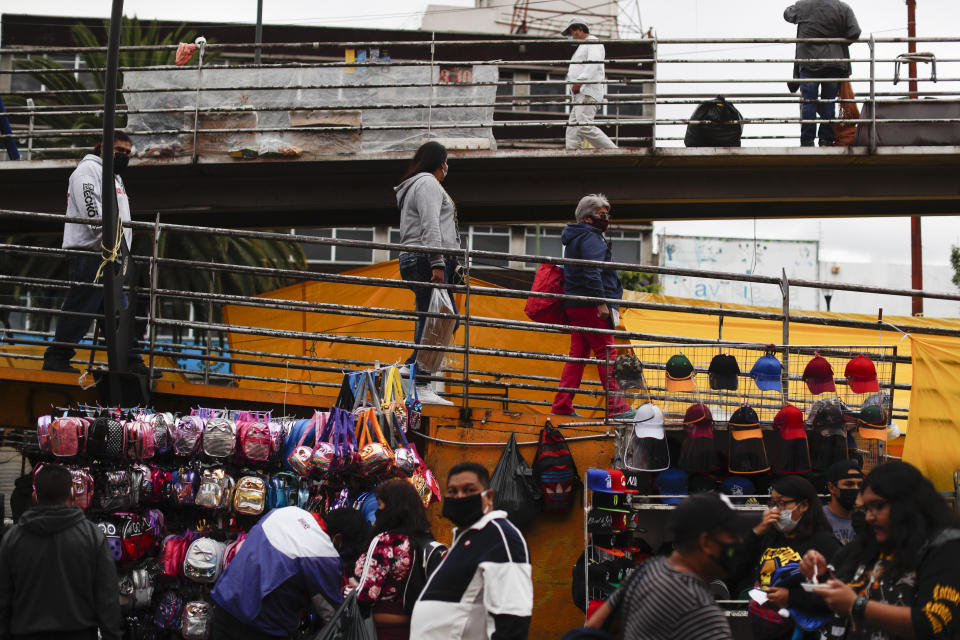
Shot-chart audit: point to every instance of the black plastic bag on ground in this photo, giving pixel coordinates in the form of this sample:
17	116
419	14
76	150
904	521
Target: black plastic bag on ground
719	126
513	487
348	623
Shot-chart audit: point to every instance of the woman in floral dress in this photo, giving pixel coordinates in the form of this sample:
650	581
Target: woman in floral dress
400	527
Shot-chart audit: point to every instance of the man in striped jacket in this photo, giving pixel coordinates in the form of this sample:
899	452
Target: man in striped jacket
482	589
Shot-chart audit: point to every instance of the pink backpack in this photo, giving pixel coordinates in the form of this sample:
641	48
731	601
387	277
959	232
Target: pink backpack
43	433
138	440
68	436
256	443
82	489
232	549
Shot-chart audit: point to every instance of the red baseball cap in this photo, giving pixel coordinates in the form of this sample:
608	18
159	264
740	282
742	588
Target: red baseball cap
789	422
818	374
699	421
619	482
862	375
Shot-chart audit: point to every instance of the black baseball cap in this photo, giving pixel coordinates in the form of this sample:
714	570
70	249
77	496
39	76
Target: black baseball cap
844	469
724	372
707	512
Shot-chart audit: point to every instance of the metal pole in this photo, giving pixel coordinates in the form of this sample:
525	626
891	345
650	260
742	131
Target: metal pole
466	330
873	95
108	191
916	245
258	36
153	289
30	106
785	375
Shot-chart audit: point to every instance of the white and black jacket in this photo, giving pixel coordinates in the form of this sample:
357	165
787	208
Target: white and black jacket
482	589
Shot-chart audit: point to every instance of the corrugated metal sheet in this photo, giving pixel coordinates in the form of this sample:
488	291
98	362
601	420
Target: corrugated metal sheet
9	472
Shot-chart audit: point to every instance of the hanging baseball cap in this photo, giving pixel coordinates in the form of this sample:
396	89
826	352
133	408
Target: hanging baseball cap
619	481
861	375
873	423
736	487
672	482
766	373
648	421
818	374
600	480
679	374
700	483
826	413
744	424
699	421
610	502
724	372
574	21
628	371
789	422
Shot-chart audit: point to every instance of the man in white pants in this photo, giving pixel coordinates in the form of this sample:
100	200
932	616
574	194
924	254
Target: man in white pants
589	87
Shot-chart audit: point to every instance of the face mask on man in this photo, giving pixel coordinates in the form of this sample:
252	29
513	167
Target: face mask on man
463	512
727	558
120	162
786	523
847	498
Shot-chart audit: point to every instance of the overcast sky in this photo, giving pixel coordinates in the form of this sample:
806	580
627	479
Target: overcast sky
852	240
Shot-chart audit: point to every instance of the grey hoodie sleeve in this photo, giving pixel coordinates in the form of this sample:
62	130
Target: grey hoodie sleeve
427	199
106	595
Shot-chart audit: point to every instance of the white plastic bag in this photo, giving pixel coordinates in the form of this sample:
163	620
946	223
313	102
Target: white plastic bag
437	331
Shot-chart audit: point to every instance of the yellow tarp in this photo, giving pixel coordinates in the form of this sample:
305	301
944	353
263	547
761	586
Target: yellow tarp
485	367
934	442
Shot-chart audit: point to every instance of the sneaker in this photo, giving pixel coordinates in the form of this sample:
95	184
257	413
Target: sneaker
404	371
572	414
141	369
429	396
59	365
625	415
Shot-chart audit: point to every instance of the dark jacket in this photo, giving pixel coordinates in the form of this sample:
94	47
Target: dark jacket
823	19
57	575
585	242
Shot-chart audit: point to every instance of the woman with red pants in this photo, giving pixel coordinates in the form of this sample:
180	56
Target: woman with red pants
584	240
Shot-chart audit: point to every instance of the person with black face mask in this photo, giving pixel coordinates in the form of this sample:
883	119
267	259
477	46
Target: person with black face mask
84	201
484	581
584	240
844	479
669	597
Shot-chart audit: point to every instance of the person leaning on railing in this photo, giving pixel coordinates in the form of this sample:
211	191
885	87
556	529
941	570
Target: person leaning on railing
584	240
820	19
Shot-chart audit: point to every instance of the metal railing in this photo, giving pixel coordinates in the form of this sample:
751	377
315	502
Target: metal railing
233	346
314	99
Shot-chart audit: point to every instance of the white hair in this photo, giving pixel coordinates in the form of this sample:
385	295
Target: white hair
590	204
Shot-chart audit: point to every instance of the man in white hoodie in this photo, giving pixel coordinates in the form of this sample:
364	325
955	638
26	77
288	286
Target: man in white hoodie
588	88
84	201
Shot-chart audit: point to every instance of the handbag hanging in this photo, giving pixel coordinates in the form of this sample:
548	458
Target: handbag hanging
393	404
374	452
414	408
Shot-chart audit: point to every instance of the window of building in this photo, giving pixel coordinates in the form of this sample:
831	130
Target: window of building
630	103
627	246
546	243
484	238
551	96
317	253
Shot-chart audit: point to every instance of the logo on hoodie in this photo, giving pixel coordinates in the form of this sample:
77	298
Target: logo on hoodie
90	200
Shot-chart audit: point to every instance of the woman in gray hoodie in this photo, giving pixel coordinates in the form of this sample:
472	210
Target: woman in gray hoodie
428	218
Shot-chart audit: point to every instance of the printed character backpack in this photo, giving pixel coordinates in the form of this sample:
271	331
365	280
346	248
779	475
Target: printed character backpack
555	471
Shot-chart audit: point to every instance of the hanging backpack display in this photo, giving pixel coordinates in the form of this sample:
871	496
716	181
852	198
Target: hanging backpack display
219	437
250	496
513	487
256	442
204	560
187	434
196	620
555	471
717	123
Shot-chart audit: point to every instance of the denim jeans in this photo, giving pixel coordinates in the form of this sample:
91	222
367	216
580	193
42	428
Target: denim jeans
415	267
83	300
809	91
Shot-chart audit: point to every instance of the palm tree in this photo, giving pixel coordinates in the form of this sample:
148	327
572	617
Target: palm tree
279	254
57	82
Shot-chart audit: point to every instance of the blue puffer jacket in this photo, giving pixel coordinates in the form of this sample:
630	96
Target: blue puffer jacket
585	242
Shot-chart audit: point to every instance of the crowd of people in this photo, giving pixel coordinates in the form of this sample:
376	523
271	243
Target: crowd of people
897	577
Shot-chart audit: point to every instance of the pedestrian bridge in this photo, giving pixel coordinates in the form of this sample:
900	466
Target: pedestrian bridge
320	139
